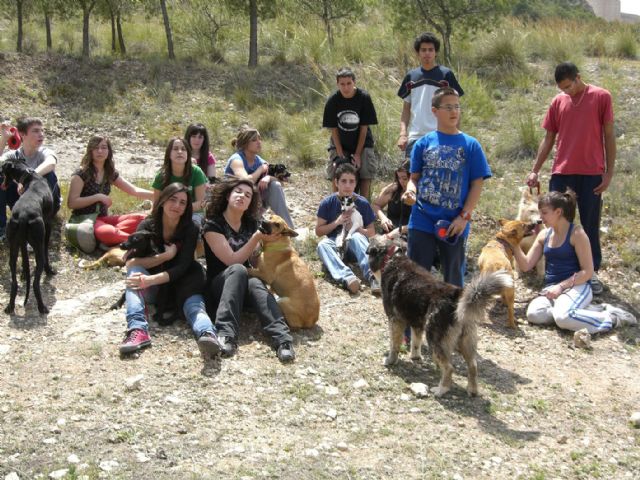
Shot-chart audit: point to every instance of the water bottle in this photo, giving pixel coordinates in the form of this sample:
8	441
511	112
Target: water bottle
441	232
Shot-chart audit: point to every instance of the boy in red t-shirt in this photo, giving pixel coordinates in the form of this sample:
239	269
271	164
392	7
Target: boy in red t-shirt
581	118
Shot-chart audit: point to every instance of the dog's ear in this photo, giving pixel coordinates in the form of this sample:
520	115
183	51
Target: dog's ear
289	232
503	221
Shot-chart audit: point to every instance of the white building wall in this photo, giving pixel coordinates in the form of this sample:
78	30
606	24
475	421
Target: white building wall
607	9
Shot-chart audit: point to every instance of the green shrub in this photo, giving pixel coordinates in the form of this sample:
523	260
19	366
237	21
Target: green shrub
625	45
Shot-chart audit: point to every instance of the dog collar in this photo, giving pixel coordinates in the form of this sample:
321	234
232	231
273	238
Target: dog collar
506	245
387	256
276	247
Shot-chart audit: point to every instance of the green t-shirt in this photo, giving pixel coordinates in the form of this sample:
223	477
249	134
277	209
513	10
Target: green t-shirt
197	178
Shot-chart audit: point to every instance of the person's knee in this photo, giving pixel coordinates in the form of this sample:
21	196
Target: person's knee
237	270
562	317
324	245
539	316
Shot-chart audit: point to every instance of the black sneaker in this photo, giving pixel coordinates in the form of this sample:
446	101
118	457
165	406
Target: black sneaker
209	345
228	346
285	352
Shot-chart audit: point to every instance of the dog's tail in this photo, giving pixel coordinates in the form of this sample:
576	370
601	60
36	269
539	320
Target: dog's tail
479	292
91	265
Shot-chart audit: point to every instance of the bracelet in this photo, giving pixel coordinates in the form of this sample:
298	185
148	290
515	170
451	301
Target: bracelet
466	215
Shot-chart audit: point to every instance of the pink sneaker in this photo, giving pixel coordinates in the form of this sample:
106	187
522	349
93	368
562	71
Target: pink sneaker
136	339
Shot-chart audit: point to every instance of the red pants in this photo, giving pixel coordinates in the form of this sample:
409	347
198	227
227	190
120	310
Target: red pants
115	229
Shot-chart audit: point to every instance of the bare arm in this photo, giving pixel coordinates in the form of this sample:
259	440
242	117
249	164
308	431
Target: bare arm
49	165
335	136
220	247
410	194
199	193
154	260
132	190
323	227
610	157
405	117
459	224
544	149
362	135
76	202
238	170
528	261
382	201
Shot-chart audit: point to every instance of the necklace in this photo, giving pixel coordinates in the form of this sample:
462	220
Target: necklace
581	96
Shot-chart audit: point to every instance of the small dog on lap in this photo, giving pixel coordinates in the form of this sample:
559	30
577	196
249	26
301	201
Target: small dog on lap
412	297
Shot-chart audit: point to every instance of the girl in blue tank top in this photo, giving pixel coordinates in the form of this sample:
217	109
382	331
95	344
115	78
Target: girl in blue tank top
566	297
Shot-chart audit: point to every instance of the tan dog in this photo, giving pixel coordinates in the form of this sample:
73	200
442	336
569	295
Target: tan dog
528	212
111	258
288	276
497	255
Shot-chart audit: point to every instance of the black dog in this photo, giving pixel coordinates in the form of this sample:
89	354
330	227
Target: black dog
279	171
412	297
139	244
30	223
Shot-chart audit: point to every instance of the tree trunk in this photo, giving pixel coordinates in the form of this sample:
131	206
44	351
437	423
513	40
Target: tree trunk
47	27
123	49
19	44
446	43
86	13
113	31
326	18
253	33
167	29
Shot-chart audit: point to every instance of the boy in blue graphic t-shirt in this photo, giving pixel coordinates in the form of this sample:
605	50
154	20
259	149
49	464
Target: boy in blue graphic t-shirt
448	168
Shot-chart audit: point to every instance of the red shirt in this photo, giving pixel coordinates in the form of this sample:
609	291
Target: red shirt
579	123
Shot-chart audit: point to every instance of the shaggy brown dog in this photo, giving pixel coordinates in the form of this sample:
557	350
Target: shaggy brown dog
280	267
411	296
497	254
528	212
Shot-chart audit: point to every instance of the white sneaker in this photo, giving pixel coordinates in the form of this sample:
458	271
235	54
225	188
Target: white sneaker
619	316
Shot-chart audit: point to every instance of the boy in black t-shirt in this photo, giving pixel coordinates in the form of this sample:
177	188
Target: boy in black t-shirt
348	113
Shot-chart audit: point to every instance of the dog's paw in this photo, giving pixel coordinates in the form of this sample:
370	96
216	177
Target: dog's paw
416	358
390	359
10	309
472	391
439	390
43	309
50	271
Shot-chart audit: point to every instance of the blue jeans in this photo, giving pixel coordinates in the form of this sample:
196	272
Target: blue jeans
193	308
356	249
422	246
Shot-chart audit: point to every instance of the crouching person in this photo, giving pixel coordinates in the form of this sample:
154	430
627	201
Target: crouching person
173	227
231	237
334	219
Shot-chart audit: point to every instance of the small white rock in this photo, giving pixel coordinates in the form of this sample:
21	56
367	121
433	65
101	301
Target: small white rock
108	465
582	339
311	452
635	419
332	413
496	460
73	458
4	349
142	458
419	389
342	446
59	473
12	476
133	383
404	397
362	383
331	390
49	441
414	410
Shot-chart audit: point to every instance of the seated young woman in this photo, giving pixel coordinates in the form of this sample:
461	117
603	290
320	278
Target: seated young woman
197	137
566	297
396	218
173	227
177	167
231	237
246	163
90	187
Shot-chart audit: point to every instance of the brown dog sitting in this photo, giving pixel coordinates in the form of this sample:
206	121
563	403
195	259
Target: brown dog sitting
114	257
497	254
285	272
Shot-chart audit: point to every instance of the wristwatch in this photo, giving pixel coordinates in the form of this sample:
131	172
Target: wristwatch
466	215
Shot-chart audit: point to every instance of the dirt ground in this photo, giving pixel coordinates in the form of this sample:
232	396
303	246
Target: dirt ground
70	408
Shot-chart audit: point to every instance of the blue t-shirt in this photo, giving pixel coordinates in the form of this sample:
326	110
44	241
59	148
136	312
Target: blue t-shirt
249	169
447	164
330	208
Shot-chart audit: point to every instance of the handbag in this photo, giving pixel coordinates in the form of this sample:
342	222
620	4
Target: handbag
79	231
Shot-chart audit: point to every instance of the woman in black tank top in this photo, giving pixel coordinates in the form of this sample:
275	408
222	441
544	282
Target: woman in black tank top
397	212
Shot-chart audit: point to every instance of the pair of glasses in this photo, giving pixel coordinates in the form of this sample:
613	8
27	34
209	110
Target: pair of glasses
450	108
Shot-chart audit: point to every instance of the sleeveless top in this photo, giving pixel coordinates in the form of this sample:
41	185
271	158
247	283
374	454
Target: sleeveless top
91	187
562	261
398	211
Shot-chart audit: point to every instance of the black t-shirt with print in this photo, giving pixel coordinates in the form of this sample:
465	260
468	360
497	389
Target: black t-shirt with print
236	241
347	114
